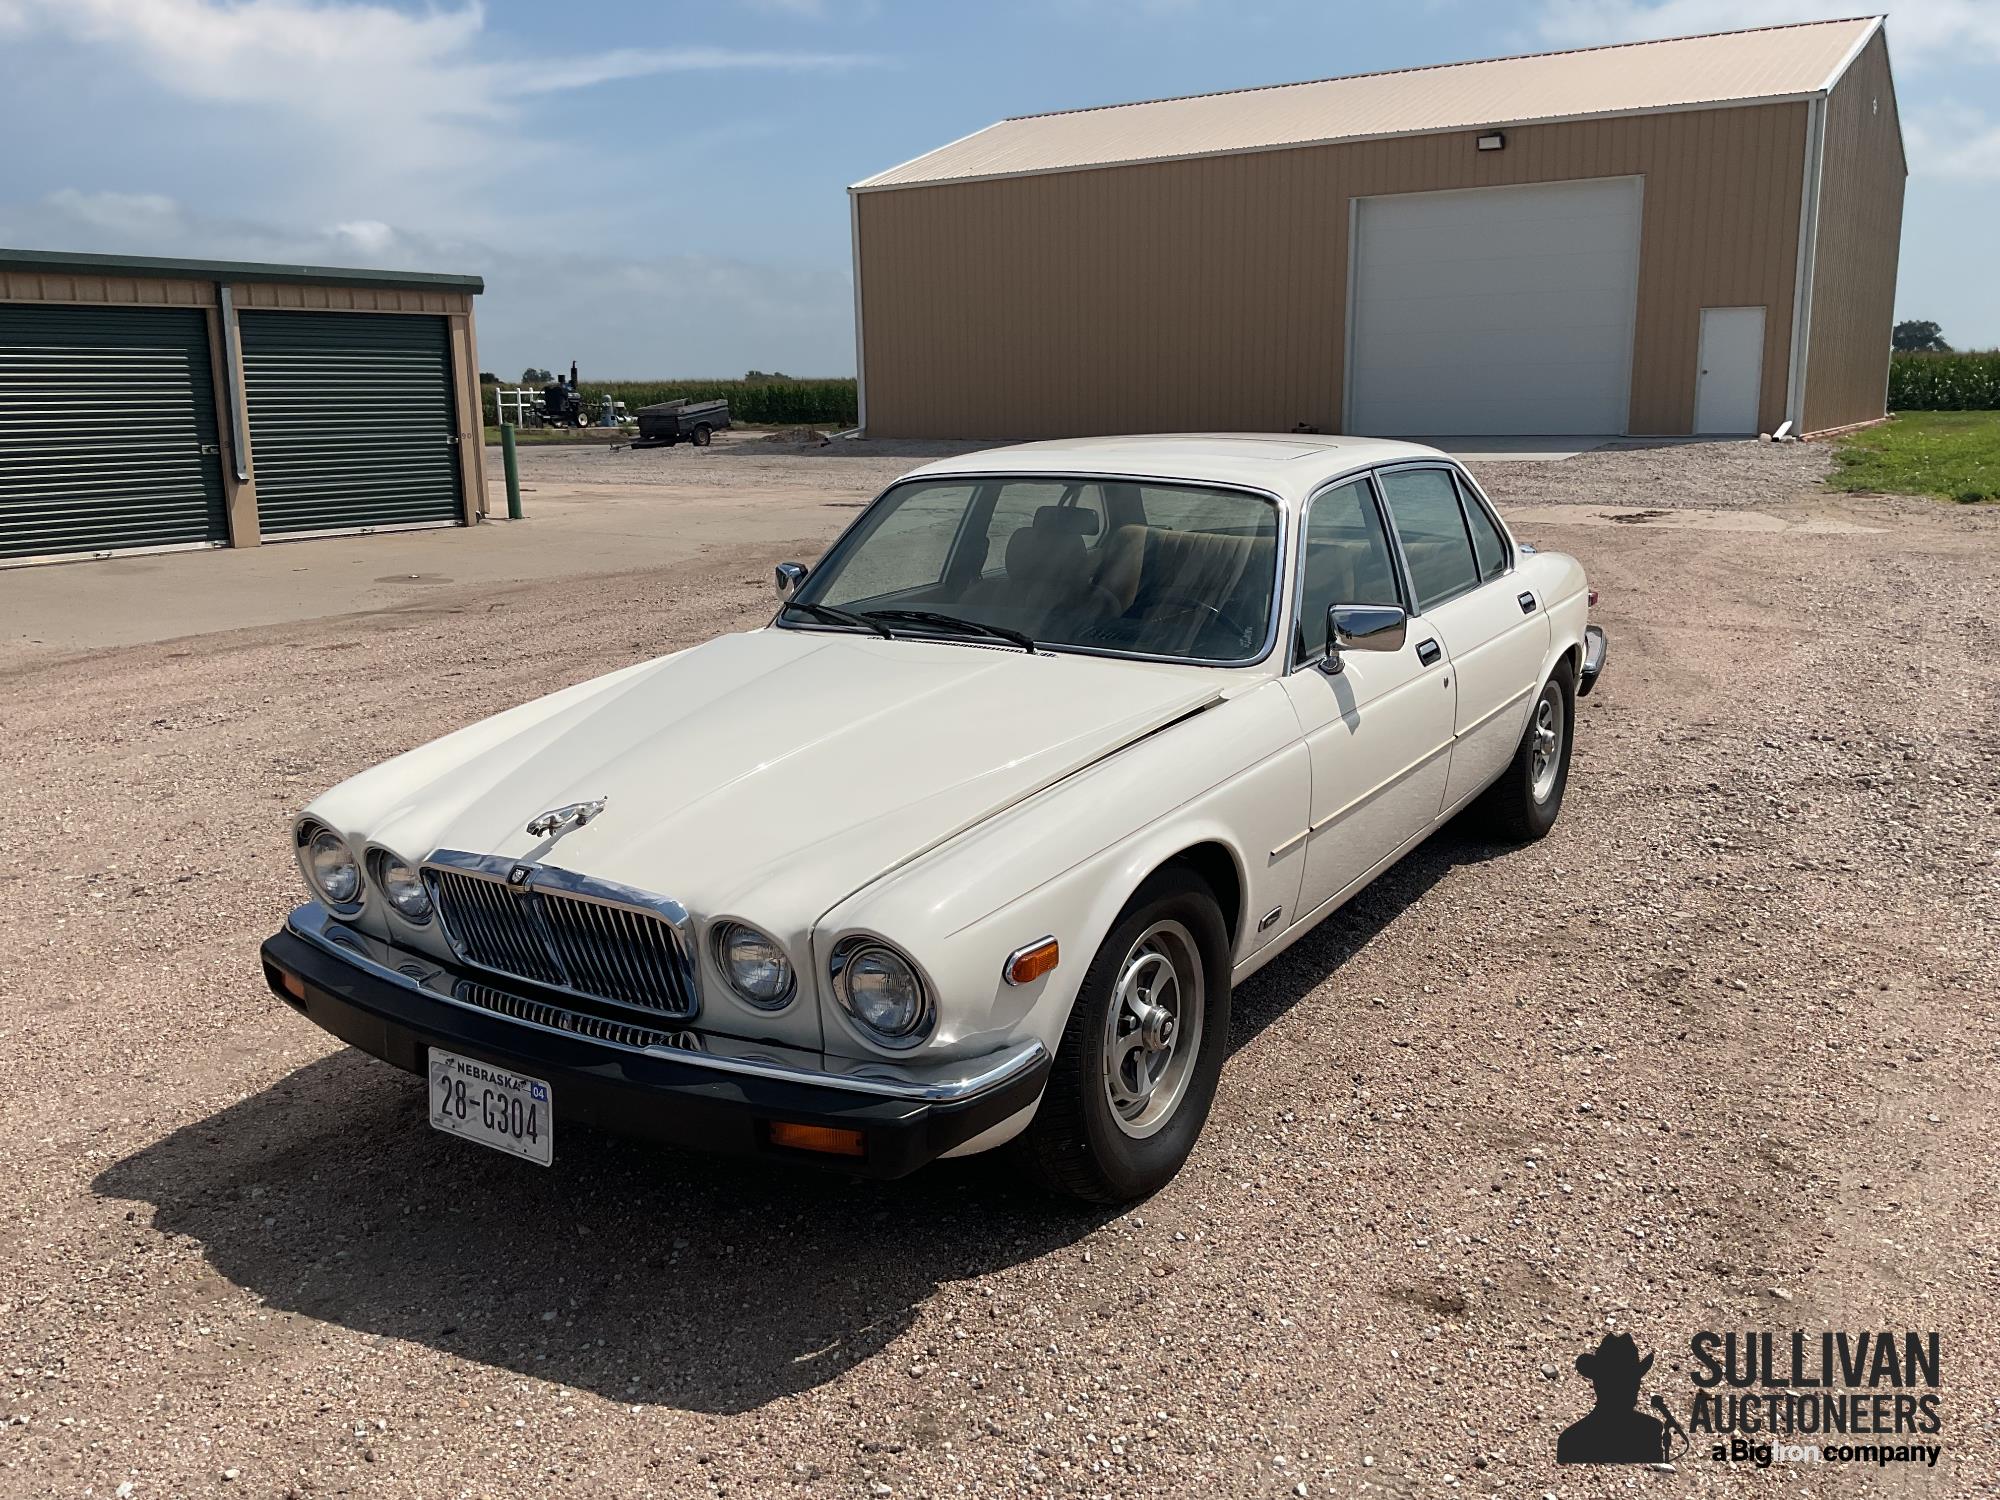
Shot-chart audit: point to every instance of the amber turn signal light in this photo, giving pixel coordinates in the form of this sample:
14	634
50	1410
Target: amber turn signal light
826	1139
1026	965
294	986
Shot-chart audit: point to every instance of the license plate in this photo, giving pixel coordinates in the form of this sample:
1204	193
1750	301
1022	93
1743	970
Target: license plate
508	1111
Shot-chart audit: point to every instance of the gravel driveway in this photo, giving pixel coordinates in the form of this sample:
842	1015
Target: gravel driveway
1717	1054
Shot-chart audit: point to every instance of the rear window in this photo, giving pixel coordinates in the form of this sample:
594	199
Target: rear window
1424	505
1487	544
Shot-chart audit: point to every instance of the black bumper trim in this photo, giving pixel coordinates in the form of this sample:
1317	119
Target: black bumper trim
648	1095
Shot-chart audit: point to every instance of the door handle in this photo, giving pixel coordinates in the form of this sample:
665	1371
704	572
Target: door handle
1527	603
1428	652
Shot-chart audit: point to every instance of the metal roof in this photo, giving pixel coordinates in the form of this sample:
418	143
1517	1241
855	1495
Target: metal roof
60	261
1735	67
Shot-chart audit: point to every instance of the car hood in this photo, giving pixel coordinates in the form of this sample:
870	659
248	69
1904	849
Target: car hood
767	775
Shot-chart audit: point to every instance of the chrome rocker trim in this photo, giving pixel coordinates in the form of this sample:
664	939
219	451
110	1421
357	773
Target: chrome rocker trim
953	1080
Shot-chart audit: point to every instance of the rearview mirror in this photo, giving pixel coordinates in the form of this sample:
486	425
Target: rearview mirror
1362	627
790	576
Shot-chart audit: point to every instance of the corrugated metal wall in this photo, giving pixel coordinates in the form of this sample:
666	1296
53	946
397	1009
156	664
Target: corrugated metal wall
107	430
1860	226
1211	293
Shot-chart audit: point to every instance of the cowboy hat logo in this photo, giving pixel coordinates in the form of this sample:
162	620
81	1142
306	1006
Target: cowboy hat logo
1614	1430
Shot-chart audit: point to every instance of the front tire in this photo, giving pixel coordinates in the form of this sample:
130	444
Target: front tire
1524	803
1137	1067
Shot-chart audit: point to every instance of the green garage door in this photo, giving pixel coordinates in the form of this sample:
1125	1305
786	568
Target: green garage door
107	430
350	420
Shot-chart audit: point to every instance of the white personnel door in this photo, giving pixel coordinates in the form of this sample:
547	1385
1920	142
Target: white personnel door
1732	369
1494	310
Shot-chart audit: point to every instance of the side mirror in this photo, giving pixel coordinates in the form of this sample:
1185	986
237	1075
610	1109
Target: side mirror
790	576
1362	627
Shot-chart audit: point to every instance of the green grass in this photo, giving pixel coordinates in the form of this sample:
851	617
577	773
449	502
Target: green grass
1954	455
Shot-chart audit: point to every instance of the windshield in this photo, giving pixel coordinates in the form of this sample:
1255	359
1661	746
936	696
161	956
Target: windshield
1128	566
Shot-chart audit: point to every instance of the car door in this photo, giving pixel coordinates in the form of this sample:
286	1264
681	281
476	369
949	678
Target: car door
1379	729
1461	567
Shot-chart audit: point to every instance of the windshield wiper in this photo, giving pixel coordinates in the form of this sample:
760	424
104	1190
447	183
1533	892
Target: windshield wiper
828	614
956	623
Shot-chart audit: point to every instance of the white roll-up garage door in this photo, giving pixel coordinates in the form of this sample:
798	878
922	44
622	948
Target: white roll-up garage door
1495	310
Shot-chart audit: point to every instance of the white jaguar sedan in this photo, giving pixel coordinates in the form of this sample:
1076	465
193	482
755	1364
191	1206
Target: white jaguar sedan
1056	745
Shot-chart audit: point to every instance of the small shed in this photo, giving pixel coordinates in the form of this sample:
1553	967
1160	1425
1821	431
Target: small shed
1696	235
149	403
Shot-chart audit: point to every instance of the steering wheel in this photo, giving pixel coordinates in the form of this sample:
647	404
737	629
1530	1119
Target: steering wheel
1175	602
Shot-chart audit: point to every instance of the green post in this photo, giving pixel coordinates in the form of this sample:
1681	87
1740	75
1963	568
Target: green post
513	471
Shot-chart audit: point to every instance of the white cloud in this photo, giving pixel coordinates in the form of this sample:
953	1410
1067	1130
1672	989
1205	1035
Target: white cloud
1953	140
407	113
672	315
1920	31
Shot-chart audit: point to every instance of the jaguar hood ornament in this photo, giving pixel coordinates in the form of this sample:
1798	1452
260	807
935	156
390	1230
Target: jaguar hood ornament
560	820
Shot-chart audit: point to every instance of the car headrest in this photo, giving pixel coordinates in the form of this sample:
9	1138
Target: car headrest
1071	518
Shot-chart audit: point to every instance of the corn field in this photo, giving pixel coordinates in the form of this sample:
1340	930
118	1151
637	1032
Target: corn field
820	403
1945	382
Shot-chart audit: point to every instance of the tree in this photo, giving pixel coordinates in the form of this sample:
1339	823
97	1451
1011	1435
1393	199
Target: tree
1916	337
532	376
760	375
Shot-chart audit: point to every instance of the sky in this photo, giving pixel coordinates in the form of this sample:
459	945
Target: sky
659	189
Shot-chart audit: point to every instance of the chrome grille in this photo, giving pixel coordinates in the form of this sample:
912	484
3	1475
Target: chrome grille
597	1028
490	925
557	929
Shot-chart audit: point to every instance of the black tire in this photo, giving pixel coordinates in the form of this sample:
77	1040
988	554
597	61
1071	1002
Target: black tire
1076	1144
1522	806
701	435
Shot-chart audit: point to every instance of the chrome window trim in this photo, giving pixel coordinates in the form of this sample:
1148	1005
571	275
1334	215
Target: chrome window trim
1451	470
1293	660
497	868
943	1081
1274	615
1469	494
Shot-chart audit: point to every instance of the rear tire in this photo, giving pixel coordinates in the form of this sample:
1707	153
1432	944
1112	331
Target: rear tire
701	437
1524	803
1136	1070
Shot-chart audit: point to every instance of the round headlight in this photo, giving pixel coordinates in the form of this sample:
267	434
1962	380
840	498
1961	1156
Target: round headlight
401	884
881	990
754	965
331	868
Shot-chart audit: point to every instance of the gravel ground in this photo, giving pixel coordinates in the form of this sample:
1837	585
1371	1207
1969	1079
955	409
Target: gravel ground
1718	1054
1674	475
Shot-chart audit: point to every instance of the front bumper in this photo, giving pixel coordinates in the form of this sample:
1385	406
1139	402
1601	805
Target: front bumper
676	1088
1596	652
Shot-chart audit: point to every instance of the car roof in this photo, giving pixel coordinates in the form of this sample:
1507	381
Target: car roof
1290	464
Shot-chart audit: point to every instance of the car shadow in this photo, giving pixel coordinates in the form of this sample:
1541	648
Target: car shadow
705	1284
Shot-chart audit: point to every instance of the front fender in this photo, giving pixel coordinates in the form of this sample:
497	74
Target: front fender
1066	862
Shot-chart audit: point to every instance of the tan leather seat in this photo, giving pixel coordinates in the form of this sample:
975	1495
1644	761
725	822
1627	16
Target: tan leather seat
1163	571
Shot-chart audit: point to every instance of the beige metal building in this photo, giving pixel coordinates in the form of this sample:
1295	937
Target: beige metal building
1687	236
149	404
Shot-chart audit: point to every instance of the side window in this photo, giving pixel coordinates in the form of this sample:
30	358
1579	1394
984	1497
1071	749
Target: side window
1487	544
1424	505
1016	507
907	547
1347	561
